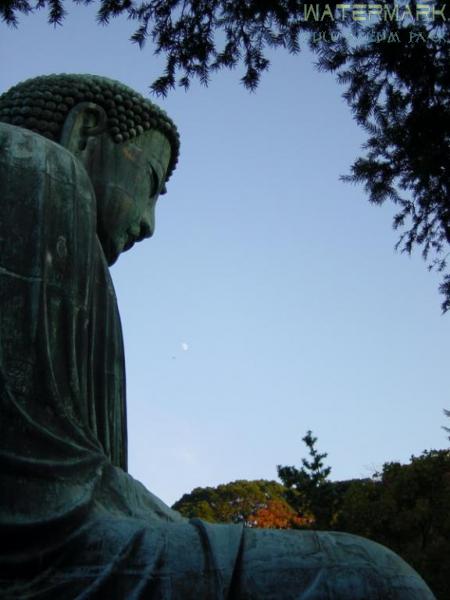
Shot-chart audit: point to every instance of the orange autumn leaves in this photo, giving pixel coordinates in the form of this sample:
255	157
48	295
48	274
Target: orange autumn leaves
277	514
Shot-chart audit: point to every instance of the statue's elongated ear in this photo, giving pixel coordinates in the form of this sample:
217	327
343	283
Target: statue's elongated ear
85	120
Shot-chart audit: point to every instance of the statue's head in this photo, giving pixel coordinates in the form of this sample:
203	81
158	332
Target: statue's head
128	146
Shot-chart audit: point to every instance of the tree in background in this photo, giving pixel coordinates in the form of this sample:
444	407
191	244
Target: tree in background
278	514
198	37
398	88
406	507
310	492
237	502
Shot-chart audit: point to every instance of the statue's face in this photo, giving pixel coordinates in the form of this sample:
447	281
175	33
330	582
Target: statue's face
127	179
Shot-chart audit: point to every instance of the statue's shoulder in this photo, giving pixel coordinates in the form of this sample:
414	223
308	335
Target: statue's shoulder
15	137
46	202
45	191
25	151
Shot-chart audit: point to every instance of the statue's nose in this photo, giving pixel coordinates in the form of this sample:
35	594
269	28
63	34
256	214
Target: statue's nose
146	230
147	224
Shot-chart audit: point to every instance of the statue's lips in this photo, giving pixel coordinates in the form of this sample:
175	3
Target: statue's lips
132	238
136	233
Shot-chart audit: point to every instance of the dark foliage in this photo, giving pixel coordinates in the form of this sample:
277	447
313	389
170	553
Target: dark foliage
398	87
406	507
197	37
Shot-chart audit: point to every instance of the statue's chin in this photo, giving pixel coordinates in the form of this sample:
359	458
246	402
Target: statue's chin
112	248
112	260
110	251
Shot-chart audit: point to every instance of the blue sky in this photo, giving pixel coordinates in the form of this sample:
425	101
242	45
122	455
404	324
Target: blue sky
270	300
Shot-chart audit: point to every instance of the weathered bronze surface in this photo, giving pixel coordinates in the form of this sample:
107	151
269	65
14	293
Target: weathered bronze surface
73	523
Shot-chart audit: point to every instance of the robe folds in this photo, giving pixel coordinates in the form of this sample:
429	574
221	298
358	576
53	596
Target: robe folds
73	524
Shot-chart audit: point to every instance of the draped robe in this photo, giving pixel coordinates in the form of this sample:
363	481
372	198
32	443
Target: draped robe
73	523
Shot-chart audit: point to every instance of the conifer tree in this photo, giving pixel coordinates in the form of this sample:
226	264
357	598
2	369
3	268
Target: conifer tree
309	490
